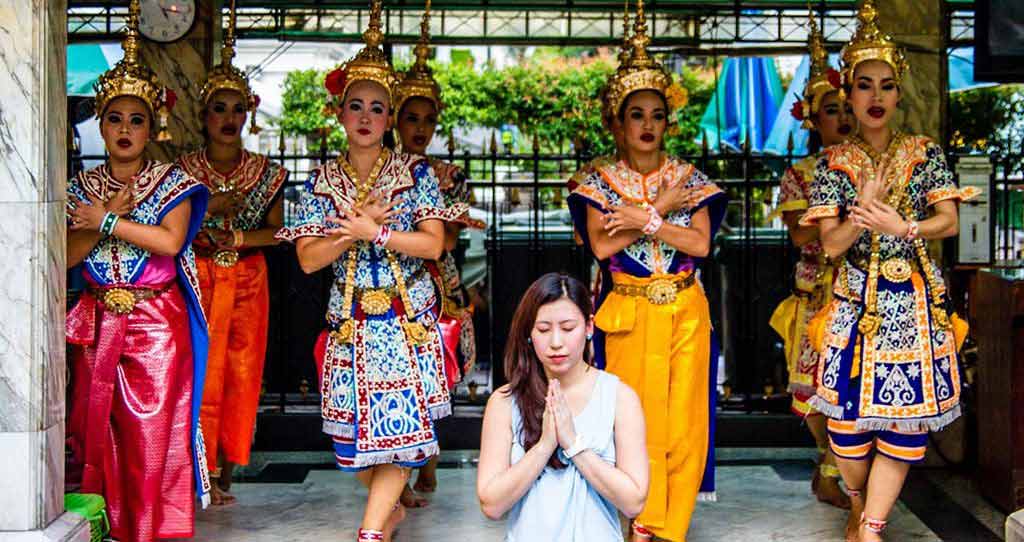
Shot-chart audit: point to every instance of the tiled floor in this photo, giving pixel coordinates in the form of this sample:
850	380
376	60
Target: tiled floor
763	496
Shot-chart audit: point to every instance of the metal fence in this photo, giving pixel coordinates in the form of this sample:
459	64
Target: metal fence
522	199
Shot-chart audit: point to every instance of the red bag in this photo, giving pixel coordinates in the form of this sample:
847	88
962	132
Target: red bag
450	330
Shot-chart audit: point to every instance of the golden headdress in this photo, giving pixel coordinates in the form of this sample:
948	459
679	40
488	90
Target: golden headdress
869	43
369	64
129	78
821	80
227	77
606	111
642	72
418	81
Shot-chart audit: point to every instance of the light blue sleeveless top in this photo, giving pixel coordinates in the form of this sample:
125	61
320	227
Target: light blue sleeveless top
560	505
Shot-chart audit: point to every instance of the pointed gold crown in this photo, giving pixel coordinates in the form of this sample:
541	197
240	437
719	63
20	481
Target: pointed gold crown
129	78
822	79
226	76
606	111
418	81
369	64
642	72
869	43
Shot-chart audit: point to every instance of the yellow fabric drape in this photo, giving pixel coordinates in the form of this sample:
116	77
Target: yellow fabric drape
786	321
662	352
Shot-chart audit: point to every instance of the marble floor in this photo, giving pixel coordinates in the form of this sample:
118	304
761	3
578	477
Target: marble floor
762	496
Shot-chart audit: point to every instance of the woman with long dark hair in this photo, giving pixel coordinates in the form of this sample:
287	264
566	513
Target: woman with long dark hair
563	443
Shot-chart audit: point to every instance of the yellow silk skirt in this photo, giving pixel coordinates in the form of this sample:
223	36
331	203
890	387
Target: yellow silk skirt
662	352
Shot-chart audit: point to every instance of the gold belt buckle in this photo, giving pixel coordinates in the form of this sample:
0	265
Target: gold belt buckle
344	332
225	258
119	300
375	302
897	270
662	291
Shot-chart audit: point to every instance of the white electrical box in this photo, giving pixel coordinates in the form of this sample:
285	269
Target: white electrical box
974	245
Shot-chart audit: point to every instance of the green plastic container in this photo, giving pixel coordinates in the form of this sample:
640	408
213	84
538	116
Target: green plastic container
91	507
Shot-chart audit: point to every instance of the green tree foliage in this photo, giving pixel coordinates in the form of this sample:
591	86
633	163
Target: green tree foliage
551	97
302	103
987	119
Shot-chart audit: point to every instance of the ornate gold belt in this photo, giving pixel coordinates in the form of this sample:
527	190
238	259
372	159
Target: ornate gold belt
123	300
661	291
893	269
224	257
897	269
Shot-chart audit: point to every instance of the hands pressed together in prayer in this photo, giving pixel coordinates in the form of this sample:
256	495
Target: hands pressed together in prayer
871	212
363	223
558	429
90	217
671	198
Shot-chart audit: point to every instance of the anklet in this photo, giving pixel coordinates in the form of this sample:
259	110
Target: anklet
370	535
874	525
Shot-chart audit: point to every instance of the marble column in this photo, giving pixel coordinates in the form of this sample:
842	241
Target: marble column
33	130
918	26
183	66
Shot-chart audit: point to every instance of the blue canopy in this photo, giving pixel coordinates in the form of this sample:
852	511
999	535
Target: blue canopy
961	77
745	104
784	123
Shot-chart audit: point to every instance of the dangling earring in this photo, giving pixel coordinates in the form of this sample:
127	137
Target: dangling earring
590	336
529	340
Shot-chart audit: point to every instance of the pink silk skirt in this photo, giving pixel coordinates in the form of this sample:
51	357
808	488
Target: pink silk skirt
130	412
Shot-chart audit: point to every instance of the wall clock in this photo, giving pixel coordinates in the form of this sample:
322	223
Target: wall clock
166	21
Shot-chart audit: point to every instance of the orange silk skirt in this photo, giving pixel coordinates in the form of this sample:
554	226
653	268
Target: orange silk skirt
236	301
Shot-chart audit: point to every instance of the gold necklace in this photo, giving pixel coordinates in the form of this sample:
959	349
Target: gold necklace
415	331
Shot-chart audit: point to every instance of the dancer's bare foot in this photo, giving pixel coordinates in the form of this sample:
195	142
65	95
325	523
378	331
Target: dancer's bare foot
853	520
391	525
219	497
410	499
226	472
829	492
425	483
867	535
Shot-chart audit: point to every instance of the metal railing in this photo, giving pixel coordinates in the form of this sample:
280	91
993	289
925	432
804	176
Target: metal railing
522	198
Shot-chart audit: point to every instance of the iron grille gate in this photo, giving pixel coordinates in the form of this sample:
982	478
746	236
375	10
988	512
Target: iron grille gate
529	233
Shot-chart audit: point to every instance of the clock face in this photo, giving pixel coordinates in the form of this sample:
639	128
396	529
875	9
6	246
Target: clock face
166	20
